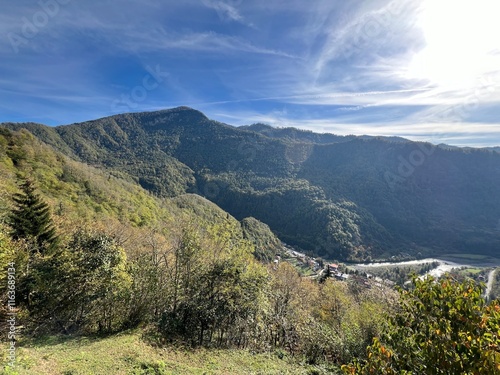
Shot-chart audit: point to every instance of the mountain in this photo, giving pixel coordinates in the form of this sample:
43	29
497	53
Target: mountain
80	195
307	136
338	197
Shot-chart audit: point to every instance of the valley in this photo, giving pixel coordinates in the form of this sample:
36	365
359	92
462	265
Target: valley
229	187
169	232
320	193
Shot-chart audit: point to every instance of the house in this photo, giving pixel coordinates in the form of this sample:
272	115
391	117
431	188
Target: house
341	276
333	267
313	264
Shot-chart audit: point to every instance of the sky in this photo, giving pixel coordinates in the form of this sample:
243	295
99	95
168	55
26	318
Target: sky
421	69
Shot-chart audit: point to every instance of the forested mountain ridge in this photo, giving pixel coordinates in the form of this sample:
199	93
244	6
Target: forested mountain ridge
294	134
79	195
339	197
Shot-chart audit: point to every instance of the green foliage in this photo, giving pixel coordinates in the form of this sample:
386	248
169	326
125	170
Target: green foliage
90	294
30	220
443	327
75	191
97	282
163	153
193	278
33	229
298	212
185	268
215	285
320	322
267	245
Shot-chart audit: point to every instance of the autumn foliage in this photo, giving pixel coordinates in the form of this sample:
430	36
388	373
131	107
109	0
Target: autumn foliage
442	327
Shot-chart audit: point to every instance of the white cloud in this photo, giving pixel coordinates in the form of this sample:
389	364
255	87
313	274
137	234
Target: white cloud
460	134
301	59
226	9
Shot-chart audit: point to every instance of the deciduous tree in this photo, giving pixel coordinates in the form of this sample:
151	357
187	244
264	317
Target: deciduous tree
443	327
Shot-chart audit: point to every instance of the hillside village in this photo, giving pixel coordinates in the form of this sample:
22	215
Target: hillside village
316	268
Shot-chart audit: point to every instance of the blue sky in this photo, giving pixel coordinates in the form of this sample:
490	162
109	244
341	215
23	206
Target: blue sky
421	69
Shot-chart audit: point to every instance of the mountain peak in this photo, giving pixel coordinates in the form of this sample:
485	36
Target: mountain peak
186	113
184	110
164	117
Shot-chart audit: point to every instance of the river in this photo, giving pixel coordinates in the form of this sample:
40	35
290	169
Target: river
443	267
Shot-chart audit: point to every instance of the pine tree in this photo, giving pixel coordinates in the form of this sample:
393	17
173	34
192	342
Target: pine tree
30	219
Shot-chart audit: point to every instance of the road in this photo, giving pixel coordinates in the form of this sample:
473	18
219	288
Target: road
489	284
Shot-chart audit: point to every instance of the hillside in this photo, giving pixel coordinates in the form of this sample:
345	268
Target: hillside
79	194
338	197
131	282
308	136
188	277
129	353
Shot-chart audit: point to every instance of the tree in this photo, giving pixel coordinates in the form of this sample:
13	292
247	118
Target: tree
31	225
443	327
179	319
30	220
83	287
284	298
215	285
96	283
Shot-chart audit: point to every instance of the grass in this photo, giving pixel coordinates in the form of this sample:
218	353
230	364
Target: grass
474	271
128	353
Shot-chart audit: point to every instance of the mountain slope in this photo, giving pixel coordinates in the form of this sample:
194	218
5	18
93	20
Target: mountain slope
344	197
437	198
80	195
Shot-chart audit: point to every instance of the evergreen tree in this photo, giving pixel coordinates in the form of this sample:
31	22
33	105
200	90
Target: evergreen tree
30	219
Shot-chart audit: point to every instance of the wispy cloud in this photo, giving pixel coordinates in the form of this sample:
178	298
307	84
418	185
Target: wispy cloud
360	99
197	42
472	134
226	9
328	65
366	35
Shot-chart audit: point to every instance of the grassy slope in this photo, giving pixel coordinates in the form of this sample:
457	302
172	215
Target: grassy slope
128	353
82	195
74	190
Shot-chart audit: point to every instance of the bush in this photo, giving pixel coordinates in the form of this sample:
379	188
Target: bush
443	327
